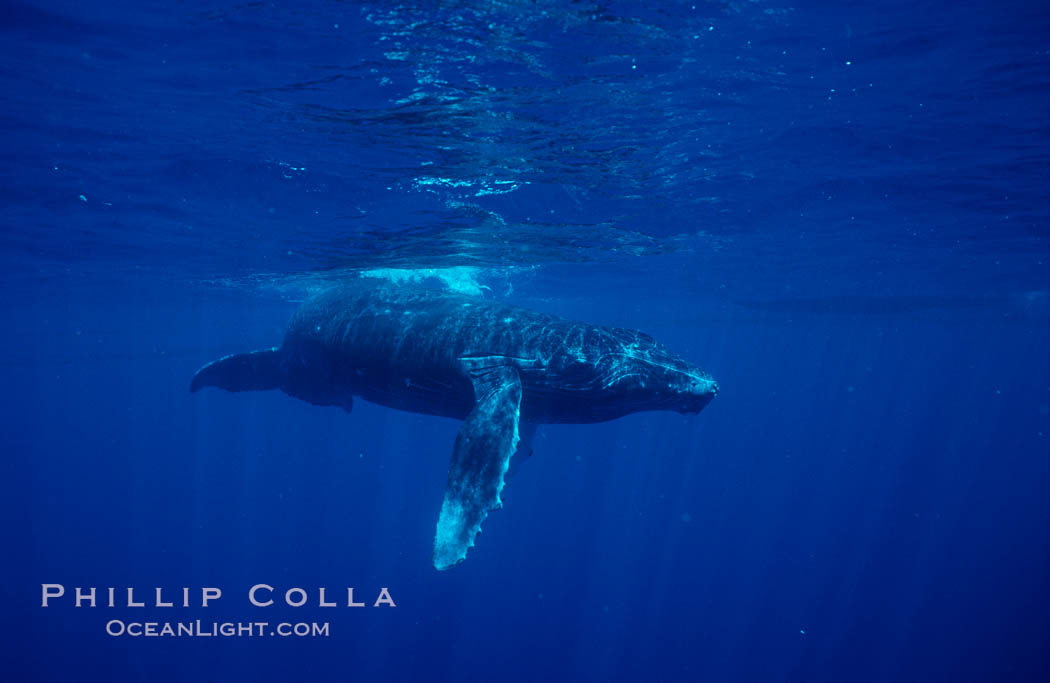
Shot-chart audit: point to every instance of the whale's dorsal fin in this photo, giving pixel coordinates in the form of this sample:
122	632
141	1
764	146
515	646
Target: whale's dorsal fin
484	446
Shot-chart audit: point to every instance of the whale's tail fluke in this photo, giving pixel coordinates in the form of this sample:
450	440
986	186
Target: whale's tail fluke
255	371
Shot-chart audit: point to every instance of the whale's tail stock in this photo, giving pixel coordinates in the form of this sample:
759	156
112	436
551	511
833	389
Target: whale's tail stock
254	371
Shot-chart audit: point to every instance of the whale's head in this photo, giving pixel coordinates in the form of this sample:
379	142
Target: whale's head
691	390
650	377
651	384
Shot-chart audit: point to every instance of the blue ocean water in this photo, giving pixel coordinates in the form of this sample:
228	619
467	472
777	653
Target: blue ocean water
840	211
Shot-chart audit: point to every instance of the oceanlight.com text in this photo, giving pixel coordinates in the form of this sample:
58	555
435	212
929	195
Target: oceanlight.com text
215	629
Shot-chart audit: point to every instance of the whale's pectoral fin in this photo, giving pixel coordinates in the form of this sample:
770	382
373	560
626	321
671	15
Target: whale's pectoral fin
253	371
484	447
526	430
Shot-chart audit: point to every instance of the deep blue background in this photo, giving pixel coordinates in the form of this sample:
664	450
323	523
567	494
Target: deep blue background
840	213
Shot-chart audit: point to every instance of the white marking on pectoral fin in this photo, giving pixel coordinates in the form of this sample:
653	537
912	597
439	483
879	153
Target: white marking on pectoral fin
484	446
448	549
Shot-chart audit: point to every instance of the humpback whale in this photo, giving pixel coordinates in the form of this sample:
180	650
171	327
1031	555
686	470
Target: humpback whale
499	368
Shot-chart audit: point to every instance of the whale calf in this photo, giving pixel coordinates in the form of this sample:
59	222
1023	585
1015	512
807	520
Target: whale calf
499	368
